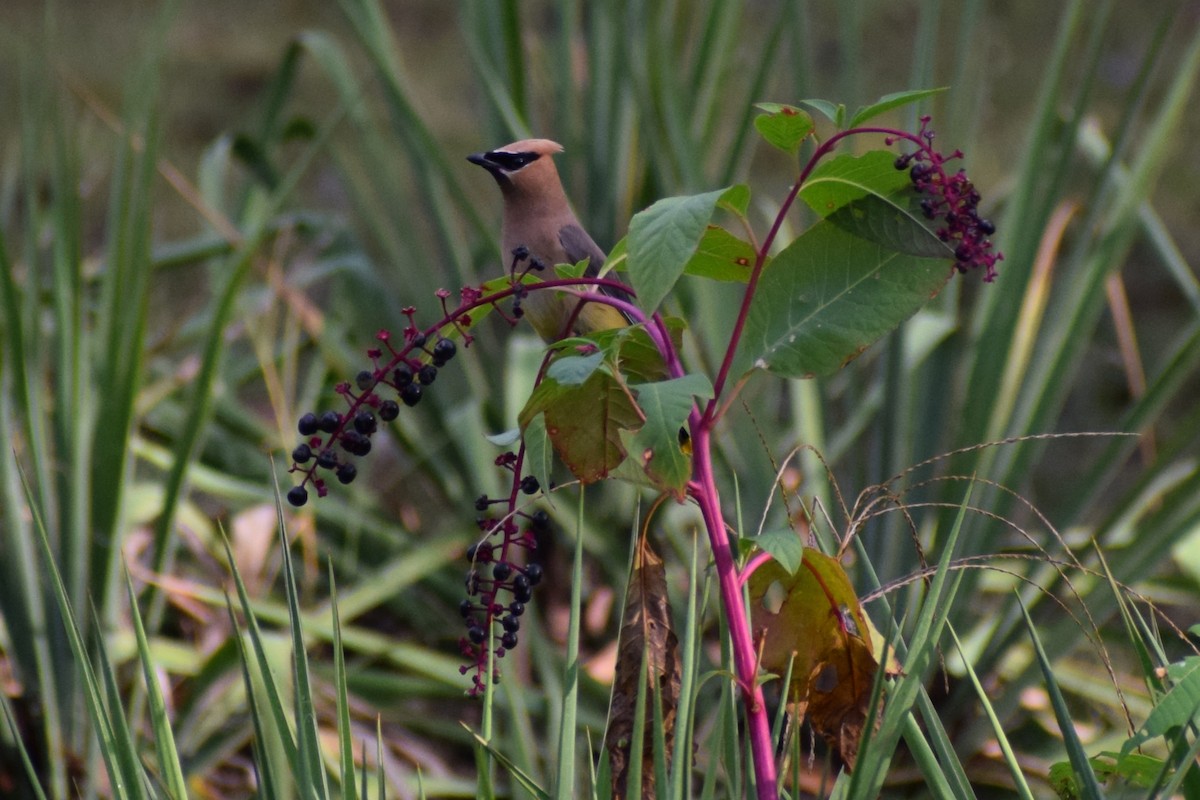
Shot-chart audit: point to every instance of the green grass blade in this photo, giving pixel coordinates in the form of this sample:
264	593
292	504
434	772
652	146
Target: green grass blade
312	776
1089	787
345	742
564	782
262	759
867	779
170	769
117	751
19	743
274	698
1020	786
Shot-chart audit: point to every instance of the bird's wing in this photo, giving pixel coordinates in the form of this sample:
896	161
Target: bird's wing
578	245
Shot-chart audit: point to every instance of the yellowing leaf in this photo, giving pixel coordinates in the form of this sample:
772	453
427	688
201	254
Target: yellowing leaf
812	620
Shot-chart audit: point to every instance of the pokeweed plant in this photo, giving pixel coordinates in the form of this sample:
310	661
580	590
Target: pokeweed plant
892	226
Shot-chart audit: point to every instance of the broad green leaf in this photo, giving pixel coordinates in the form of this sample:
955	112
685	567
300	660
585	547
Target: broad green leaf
890	101
895	222
846	178
827	297
662	239
665	406
784	545
783	126
836	112
721	256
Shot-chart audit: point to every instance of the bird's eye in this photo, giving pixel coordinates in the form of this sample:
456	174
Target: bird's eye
511	162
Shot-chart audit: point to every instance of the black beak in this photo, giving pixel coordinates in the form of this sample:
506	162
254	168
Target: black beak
497	171
482	160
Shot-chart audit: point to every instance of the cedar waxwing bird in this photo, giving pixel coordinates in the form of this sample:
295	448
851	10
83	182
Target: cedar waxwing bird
538	216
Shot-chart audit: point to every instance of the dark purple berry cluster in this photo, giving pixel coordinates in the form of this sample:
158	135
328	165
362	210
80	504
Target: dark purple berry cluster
950	197
502	575
332	438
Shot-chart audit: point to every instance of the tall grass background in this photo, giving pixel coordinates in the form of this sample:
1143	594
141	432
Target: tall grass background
178	287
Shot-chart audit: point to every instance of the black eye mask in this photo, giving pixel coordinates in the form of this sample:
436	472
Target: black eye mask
511	162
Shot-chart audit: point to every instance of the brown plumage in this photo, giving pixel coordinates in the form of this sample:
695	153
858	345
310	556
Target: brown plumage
538	215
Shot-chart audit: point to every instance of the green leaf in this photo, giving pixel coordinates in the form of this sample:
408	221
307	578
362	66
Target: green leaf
890	101
576	270
1180	706
721	256
784	545
539	459
662	239
505	438
571	370
846	178
617	260
827	297
895	222
666	406
736	199
783	126
836	112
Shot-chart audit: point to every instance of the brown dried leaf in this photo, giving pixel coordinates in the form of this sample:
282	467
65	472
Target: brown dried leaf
647	637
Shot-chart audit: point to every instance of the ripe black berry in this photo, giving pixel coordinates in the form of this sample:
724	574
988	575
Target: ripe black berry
364	380
411	394
481	551
534	573
516	609
986	227
402	376
389	410
465	608
327	459
355	443
307	424
501	571
481	502
329	421
346	473
364	422
511	624
529	484
509	640
428	374
476	634
297	496
540	521
302	453
443	351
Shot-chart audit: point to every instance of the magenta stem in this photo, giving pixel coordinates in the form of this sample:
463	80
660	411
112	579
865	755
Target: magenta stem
745	662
